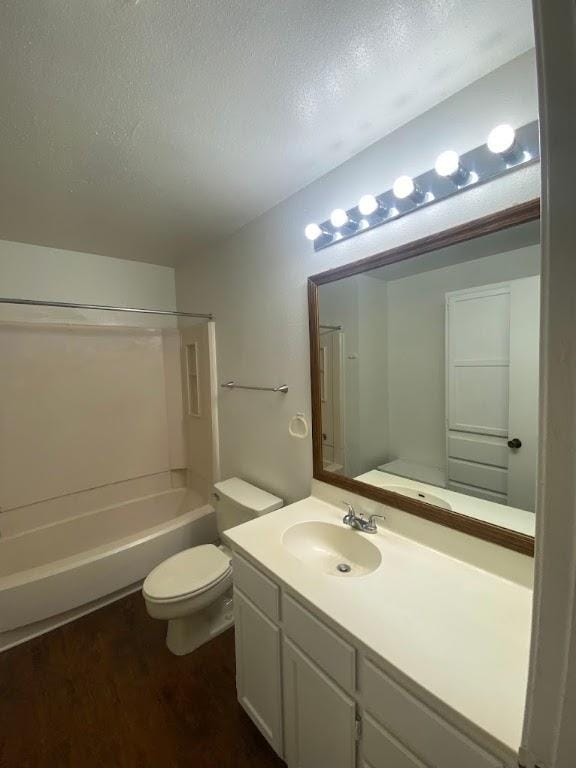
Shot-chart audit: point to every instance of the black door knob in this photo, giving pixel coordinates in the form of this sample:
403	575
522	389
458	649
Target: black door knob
515	443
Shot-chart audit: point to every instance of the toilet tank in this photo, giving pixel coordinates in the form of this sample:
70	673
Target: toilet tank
237	501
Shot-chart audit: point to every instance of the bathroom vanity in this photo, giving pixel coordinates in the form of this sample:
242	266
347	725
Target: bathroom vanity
407	646
407	658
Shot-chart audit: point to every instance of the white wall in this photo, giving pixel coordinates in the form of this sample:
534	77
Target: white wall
35	272
339	305
416	348
549	734
255	283
358	304
373	374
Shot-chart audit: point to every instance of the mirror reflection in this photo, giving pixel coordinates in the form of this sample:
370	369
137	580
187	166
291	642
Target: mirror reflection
429	376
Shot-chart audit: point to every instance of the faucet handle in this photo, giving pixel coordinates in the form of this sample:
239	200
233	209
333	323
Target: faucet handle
348	506
370	526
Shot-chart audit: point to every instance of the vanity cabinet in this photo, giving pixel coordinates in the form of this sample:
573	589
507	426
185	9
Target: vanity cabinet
415	724
258	669
381	750
321	701
319	718
331	653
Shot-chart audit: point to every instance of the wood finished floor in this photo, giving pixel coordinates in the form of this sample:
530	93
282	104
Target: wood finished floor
104	691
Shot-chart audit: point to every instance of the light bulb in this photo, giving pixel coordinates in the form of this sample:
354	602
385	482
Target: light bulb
447	163
367	205
501	139
312	231
403	187
449	167
338	218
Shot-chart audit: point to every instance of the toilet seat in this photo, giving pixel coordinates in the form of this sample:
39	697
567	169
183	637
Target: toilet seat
187	573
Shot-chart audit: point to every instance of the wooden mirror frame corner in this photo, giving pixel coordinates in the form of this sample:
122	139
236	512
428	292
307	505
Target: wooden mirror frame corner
510	217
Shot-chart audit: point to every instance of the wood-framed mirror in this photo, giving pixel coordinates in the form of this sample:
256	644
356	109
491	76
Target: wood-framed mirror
424	370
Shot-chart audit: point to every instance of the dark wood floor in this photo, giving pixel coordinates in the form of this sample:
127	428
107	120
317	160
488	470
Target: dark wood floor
104	691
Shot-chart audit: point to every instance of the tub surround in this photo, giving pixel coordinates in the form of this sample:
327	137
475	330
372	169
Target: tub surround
103	475
43	513
457	635
86	407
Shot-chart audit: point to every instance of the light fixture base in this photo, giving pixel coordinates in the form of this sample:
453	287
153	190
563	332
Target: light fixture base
479	165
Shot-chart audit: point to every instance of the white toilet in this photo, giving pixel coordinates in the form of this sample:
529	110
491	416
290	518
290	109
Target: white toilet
192	590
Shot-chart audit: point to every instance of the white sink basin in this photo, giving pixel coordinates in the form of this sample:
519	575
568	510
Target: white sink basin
429	498
332	549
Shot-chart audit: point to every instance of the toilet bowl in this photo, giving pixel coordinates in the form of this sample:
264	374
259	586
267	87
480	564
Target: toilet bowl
192	590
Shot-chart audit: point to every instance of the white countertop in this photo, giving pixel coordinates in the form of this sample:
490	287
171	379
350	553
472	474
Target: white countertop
459	632
489	511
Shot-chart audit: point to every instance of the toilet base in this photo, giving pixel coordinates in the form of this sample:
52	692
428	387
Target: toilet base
187	633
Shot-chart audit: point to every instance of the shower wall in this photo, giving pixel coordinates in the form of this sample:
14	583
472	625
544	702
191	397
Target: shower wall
90	409
82	407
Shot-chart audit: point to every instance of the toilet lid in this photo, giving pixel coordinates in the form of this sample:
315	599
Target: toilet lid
192	570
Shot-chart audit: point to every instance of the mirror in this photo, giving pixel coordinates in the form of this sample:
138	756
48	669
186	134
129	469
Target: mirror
425	376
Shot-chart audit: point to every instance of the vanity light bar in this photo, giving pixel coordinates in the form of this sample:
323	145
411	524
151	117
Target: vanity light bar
506	150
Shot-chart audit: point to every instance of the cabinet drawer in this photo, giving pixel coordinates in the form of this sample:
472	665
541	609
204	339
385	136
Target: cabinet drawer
426	734
259	588
332	654
383	751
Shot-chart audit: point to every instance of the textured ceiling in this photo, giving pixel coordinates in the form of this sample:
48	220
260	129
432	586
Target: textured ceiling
145	128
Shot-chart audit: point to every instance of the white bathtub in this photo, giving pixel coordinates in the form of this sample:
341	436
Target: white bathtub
50	571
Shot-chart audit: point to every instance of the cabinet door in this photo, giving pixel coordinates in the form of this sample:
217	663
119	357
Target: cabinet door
381	750
258	672
319	718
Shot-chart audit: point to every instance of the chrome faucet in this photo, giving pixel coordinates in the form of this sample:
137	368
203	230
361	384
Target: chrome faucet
359	522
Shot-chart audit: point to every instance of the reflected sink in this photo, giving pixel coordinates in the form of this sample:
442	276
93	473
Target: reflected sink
429	498
332	549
